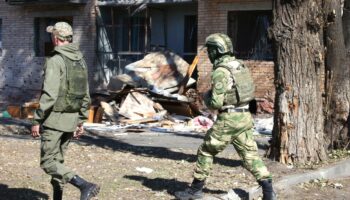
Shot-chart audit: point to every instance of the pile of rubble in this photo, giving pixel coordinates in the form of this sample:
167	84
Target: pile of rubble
151	93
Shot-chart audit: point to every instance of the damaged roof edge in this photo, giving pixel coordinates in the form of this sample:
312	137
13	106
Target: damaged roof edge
137	2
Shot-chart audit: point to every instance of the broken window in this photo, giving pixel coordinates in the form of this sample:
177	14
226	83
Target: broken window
248	31
122	36
42	39
126	31
0	37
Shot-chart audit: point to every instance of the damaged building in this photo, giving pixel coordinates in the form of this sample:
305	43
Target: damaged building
114	33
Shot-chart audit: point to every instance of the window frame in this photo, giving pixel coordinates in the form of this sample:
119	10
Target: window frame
245	38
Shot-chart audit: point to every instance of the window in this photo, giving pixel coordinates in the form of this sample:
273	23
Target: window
125	31
122	36
42	40
0	37
190	34
248	31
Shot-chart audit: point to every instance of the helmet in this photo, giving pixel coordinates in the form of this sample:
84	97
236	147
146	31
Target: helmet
221	41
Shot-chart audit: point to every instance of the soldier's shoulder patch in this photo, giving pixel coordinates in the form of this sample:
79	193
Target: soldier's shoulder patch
219	87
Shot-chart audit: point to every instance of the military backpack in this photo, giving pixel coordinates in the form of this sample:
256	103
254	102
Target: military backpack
73	87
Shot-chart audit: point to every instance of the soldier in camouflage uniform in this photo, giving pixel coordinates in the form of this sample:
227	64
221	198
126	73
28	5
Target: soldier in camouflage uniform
64	104
232	89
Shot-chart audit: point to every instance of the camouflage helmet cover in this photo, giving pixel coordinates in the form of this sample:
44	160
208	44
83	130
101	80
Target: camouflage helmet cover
61	29
221	41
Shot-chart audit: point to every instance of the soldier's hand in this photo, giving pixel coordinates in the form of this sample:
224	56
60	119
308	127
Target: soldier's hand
35	131
79	131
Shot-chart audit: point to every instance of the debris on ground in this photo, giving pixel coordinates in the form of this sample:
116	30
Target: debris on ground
320	183
160	71
263	125
144	170
265	105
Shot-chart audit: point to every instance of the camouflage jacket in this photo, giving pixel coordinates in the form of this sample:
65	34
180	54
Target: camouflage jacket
54	76
221	82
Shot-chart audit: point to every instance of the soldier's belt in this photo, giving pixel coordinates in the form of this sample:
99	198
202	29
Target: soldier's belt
232	110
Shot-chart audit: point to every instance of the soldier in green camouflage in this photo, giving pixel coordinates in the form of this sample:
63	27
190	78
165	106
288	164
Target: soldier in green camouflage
232	89
64	105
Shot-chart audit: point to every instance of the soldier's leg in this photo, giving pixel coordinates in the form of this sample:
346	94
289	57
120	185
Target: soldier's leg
247	148
51	160
215	141
65	140
57	183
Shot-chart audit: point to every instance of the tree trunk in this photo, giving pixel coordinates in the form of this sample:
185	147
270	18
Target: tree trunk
346	32
298	135
338	77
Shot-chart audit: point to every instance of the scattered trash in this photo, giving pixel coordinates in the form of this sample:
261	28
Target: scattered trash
337	185
203	122
5	114
265	106
231	195
264	126
144	170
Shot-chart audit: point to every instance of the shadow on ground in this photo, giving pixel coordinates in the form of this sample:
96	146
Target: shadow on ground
7	193
157	152
170	185
116	145
241	193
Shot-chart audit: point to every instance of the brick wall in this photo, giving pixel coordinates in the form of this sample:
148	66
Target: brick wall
20	69
212	18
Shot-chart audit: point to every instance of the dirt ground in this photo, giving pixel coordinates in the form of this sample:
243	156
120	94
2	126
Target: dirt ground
117	167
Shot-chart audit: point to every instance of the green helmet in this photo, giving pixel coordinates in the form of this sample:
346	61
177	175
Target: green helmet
221	41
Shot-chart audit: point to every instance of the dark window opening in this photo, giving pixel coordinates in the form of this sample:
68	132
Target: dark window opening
0	37
190	40
190	34
42	39
248	31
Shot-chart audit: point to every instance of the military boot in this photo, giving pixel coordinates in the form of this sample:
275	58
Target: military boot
268	193
87	189
192	192
57	190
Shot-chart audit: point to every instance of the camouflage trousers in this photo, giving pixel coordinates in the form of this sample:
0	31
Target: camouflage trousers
53	146
235	129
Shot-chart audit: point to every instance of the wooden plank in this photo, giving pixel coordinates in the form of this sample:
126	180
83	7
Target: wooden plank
188	75
139	121
92	111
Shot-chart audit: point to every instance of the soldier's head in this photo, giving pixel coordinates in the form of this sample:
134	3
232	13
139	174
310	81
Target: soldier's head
218	44
61	33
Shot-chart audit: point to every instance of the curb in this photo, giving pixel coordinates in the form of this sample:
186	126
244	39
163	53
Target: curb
339	170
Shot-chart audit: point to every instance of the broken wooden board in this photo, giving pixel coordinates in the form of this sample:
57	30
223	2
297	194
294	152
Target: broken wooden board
179	108
28	108
98	115
137	106
139	121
